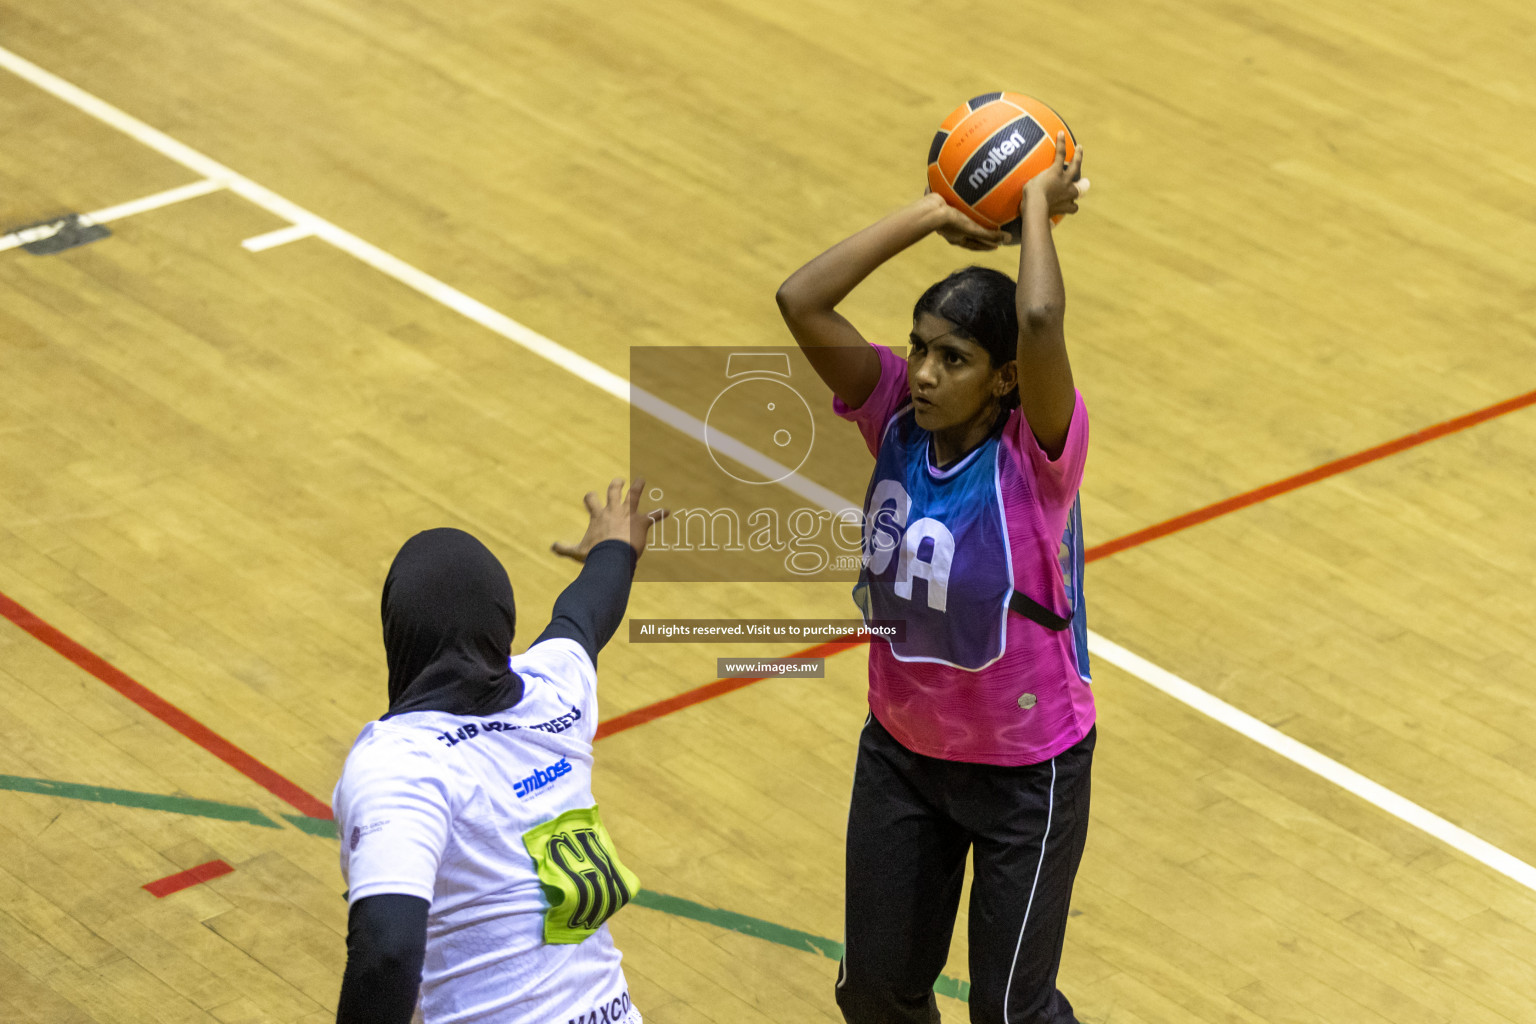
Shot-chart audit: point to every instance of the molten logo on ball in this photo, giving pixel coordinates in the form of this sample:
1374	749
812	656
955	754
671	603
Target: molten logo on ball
995	157
1014	142
987	149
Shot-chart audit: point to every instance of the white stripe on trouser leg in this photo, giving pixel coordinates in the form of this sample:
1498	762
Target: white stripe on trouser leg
1050	808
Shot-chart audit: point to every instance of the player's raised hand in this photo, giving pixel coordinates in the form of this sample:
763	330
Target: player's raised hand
1061	184
619	518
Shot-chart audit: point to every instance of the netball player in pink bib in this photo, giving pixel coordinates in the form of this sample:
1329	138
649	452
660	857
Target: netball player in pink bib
981	729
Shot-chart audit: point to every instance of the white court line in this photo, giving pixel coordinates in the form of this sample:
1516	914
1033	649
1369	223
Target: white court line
154	202
617	386
272	239
1327	767
406	274
29	235
347	242
121	210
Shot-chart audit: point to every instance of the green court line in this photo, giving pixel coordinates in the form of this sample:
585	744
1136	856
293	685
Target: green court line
325	828
322	827
129	798
766	930
770	932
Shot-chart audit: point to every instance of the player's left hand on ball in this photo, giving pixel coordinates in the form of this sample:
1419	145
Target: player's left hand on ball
1061	184
958	229
619	518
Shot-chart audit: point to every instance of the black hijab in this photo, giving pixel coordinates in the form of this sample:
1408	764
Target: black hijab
448	625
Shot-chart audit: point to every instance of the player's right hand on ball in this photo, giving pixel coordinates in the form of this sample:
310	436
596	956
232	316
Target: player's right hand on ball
619	518
1061	184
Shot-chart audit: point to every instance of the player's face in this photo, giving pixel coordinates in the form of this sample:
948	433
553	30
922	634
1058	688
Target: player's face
952	378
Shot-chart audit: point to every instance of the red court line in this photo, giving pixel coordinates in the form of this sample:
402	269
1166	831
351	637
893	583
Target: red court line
164	710
1290	483
186	879
698	694
721	686
290	792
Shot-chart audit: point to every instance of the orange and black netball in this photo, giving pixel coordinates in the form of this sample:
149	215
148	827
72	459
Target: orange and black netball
988	148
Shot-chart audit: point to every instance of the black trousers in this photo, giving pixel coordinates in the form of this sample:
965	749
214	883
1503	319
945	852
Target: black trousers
912	821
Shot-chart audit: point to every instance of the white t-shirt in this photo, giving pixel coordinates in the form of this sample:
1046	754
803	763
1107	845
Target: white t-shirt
438	806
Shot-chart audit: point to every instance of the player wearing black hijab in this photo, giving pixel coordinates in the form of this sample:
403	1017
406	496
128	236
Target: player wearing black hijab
480	874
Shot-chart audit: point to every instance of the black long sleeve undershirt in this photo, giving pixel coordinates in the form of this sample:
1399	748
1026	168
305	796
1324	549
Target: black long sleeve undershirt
386	943
591	608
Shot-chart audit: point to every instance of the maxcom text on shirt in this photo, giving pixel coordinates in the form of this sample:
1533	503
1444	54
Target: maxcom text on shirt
612	1012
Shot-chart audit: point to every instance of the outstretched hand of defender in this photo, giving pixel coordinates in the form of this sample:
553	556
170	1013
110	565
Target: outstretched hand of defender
619	518
1060	185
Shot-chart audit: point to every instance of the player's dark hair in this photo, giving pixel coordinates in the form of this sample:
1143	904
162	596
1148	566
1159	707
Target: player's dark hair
979	301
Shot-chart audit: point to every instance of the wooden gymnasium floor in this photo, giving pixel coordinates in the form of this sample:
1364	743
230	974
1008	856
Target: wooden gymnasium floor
1312	233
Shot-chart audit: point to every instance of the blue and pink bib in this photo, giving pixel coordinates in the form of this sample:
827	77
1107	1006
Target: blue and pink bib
944	550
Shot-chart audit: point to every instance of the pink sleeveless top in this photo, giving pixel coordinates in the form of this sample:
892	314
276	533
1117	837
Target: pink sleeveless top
970	680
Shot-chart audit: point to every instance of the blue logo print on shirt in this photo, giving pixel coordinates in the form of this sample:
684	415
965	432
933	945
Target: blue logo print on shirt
540	778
